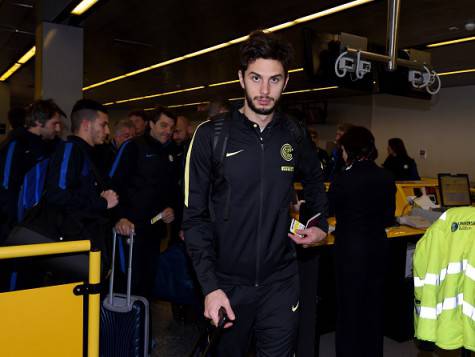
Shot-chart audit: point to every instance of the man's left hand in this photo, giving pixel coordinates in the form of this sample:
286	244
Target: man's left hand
308	237
168	215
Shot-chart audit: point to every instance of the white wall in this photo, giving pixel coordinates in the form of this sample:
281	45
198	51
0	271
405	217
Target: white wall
444	127
355	110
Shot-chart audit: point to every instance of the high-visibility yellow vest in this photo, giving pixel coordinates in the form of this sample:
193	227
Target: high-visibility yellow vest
444	281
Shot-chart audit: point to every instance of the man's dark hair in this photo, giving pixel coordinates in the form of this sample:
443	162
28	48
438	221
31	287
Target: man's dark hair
359	144
397	146
17	117
40	111
139	113
218	105
158	111
266	46
85	109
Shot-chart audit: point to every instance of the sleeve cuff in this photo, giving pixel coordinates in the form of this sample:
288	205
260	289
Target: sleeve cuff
209	287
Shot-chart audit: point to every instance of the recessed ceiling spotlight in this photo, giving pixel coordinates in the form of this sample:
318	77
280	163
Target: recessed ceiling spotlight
454	28
470	26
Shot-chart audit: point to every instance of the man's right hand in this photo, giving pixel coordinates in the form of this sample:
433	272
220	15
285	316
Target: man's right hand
111	197
124	227
213	302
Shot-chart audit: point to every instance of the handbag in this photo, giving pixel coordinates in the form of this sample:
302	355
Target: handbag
174	280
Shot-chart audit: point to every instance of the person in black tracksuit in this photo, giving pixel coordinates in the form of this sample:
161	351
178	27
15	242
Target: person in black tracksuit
73	184
145	177
24	147
21	151
363	198
236	224
74	201
104	154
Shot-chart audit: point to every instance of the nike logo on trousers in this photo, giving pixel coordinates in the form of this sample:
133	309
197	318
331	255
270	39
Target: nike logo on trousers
294	308
228	154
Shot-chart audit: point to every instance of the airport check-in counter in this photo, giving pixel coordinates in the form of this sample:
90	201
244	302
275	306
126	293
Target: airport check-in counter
399	292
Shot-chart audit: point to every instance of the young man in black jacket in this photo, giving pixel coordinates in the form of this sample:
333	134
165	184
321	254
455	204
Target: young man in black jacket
73	184
145	177
24	147
236	224
74	199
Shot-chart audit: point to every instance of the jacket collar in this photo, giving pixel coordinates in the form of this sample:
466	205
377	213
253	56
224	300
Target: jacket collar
276	119
79	141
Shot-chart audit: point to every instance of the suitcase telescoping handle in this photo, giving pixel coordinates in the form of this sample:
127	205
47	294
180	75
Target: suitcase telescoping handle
129	267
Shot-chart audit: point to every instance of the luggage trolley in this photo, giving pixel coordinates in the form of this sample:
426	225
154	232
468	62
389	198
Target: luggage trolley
49	321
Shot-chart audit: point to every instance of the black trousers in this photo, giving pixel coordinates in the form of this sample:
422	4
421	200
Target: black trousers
269	313
308	336
145	260
360	302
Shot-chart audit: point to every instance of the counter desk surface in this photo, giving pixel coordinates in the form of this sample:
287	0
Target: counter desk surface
392	232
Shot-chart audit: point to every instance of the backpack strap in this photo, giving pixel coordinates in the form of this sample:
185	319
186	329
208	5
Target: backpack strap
221	126
298	132
220	138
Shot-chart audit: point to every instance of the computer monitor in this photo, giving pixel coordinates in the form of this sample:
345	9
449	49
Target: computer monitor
454	190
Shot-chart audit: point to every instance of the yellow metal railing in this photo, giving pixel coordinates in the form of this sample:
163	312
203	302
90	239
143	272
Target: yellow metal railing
48	321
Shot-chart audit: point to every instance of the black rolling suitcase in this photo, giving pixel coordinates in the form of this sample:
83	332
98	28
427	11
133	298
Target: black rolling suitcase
124	318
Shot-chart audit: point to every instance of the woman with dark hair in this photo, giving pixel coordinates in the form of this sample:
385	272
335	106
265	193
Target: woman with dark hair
399	163
363	200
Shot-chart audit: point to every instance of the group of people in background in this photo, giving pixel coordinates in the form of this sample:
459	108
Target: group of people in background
138	178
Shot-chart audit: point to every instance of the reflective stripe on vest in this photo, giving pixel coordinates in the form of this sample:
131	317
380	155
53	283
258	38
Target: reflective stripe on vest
450	303
452	268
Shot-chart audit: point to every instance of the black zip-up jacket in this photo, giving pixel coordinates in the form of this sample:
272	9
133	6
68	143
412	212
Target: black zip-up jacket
72	207
402	168
25	150
103	157
144	175
71	184
247	243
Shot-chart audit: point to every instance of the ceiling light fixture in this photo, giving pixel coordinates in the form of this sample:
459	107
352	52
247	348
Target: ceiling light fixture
27	56
83	6
186	105
471	70
241	98
154	95
183	90
310	90
288	24
237	98
223	83
23	59
237	80
451	42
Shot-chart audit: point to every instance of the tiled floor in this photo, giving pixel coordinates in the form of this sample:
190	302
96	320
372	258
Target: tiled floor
176	339
173	339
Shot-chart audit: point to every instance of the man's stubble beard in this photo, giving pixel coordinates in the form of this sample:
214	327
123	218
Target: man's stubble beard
261	111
